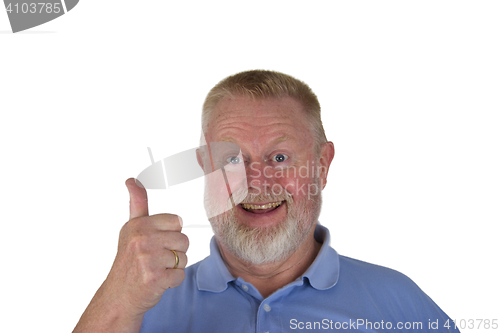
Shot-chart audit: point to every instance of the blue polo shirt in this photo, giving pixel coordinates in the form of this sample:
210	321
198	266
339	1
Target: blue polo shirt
336	293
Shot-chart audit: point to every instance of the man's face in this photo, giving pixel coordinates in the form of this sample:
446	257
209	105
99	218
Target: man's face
282	190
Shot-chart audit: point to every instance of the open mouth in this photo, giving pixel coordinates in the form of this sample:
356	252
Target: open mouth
257	208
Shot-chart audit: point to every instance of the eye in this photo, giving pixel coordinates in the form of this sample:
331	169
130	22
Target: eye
279	158
234	160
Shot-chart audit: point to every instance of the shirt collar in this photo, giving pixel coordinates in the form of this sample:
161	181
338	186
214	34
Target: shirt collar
213	274
323	273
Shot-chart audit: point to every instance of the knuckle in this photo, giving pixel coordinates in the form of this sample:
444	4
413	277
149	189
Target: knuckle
138	243
171	219
185	242
180	241
140	222
151	274
149	278
134	224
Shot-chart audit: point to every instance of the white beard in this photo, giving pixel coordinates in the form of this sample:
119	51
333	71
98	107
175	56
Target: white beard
257	245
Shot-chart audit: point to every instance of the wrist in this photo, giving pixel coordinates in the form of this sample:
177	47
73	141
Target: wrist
109	313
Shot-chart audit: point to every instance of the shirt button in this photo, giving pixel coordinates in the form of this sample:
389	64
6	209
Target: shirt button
267	308
244	287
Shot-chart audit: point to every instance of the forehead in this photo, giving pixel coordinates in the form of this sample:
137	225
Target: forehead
262	120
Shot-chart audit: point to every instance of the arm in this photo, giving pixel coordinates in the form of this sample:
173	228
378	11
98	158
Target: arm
104	315
142	270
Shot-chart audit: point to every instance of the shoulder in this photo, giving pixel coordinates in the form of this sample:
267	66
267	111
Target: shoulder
372	273
387	288
377	280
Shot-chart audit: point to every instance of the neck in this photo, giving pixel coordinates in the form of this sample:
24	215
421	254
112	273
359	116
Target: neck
268	278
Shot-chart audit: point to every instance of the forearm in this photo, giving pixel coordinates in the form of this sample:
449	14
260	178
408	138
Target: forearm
104	315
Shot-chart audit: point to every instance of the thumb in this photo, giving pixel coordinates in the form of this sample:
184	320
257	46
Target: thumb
138	198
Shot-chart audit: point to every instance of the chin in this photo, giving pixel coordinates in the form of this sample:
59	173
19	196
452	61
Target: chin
269	243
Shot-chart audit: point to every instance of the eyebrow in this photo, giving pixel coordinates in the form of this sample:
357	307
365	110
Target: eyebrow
278	140
226	140
281	139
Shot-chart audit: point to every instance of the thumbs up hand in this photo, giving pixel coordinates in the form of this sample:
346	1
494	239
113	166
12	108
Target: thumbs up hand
151	258
144	265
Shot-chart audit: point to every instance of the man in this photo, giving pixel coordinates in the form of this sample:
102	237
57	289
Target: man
271	268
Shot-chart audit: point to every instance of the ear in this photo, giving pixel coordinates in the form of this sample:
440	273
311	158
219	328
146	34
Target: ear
325	159
199	157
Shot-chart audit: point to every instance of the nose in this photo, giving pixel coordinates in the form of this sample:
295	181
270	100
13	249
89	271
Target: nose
259	175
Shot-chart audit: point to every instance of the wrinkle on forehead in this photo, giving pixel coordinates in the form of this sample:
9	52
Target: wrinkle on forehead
239	106
269	118
252	122
278	140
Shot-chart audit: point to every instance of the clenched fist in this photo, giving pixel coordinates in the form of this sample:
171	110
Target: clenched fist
142	271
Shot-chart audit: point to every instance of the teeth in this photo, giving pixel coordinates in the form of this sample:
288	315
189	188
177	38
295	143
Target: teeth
266	206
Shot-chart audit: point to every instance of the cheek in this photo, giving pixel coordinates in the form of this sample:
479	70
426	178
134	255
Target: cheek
237	185
215	187
302	189
300	181
220	186
292	186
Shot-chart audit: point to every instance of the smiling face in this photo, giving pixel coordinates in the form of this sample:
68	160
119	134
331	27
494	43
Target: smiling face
279	201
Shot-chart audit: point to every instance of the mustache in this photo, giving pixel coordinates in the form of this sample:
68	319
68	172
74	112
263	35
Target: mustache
260	196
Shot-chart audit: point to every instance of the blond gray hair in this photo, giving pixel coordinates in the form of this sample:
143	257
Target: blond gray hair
262	84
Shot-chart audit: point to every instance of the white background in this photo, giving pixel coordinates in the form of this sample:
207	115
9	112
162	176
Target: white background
410	97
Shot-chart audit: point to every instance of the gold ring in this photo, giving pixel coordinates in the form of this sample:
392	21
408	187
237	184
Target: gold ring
176	259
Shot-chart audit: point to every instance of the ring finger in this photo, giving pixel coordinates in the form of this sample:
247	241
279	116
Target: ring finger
171	261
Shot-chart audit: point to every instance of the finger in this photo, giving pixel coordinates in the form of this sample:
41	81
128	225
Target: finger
170	264
138	198
174	277
166	260
162	240
174	241
167	222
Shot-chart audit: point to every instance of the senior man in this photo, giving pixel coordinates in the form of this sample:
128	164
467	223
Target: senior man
271	268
